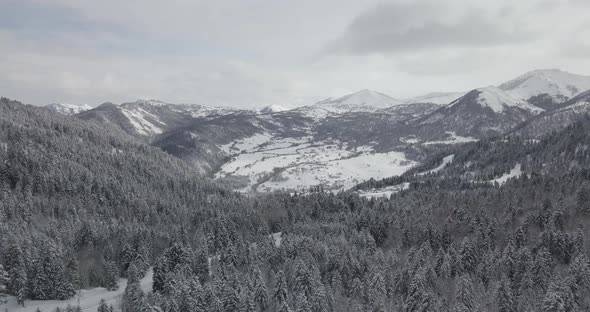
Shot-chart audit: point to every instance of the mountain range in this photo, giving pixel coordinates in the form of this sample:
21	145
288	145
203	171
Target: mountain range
340	142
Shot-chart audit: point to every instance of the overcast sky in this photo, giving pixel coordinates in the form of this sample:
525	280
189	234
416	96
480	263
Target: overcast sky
251	53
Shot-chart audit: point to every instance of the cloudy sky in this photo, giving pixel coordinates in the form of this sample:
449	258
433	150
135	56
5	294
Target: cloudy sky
250	53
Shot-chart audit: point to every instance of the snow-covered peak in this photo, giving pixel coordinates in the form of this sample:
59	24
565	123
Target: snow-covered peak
314	112
554	82
275	108
361	101
436	98
151	102
68	109
498	100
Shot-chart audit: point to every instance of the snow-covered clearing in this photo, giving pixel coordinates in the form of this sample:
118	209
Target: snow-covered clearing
88	299
277	238
298	163
447	160
385	192
454	139
514	173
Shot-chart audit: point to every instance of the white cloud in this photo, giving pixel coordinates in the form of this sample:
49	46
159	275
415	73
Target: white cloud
254	53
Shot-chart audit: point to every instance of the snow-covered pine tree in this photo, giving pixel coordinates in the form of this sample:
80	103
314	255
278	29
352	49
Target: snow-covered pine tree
505	298
133	297
3	284
260	290
102	306
281	293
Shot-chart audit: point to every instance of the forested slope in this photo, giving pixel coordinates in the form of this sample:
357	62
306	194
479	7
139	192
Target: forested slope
82	205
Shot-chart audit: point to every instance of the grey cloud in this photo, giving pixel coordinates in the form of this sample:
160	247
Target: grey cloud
395	28
578	51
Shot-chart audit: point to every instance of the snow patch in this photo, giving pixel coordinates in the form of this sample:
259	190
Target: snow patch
454	139
137	118
384	192
88	299
447	160
277	238
514	173
498	100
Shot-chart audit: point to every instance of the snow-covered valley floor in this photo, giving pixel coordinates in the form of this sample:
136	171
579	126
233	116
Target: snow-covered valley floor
272	163
87	299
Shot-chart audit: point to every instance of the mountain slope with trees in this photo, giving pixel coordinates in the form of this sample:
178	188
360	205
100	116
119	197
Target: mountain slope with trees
82	205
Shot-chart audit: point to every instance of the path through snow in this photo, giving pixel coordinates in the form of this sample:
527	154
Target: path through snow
88	299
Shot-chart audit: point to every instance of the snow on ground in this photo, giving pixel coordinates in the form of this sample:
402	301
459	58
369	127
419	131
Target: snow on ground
410	140
514	173
444	163
298	163
549	81
277	238
454	139
340	173
137	118
384	192
68	109
361	101
314	112
498	100
246	144
88	299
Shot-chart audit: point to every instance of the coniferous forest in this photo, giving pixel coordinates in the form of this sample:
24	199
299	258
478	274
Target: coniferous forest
83	205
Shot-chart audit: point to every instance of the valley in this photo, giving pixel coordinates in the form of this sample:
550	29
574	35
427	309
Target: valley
338	143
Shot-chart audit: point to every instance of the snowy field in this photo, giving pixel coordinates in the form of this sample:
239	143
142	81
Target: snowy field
88	299
298	163
454	139
447	160
514	173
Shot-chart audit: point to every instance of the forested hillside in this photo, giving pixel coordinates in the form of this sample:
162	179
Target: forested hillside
82	205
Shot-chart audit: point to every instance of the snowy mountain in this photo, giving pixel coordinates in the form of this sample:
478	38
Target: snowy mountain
436	98
557	119
479	113
361	101
67	109
149	118
275	108
498	100
546	87
335	142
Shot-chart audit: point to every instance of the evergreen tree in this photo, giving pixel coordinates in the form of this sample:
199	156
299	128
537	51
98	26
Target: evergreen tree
505	298
3	284
18	274
133	297
558	298
464	295
111	274
260	291
301	303
102	306
280	293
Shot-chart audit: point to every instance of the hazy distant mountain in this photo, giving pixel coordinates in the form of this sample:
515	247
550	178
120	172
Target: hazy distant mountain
436	97
275	108
361	101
